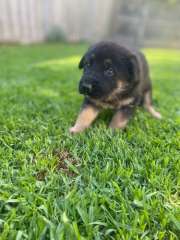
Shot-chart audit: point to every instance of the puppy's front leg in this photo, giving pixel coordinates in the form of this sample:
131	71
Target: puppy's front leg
85	118
121	118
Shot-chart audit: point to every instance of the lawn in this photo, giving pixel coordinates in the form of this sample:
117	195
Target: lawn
96	185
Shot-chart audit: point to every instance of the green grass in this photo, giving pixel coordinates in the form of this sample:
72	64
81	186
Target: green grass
98	184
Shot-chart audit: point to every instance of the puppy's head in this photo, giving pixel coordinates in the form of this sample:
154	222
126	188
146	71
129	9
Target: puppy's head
107	67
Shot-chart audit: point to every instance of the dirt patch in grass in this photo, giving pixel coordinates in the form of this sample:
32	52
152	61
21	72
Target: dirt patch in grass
40	176
66	163
65	160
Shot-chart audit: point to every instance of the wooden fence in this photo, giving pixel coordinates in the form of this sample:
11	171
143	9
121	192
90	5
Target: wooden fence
31	20
147	23
136	22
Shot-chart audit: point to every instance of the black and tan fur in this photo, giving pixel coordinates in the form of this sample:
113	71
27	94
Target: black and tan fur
114	77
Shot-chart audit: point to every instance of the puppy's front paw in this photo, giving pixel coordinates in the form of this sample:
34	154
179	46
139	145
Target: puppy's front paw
74	130
157	115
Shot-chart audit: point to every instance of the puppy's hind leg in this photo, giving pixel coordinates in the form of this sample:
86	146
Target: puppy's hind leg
148	105
85	118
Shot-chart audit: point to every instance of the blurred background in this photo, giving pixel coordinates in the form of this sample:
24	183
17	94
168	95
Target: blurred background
141	23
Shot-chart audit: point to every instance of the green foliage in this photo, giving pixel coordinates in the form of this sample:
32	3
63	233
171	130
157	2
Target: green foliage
55	34
96	185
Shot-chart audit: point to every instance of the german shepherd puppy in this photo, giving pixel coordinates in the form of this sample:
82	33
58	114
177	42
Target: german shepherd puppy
113	77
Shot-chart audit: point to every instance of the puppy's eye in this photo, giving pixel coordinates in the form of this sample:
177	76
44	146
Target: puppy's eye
109	72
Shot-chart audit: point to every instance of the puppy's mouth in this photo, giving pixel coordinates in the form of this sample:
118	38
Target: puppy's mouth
90	88
85	88
90	91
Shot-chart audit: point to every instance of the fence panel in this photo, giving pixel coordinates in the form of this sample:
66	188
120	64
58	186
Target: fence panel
30	21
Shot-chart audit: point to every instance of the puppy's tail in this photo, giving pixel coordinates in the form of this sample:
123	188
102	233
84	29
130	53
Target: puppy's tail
149	107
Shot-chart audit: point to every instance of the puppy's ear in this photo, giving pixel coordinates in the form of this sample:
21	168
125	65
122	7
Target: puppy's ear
81	63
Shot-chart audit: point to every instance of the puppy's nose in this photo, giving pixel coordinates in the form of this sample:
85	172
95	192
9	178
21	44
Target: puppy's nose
86	88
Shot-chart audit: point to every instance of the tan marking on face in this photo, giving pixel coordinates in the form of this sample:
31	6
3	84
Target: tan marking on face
120	87
149	107
120	84
119	120
85	118
126	101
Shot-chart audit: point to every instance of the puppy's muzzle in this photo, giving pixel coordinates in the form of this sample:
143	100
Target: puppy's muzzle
85	88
